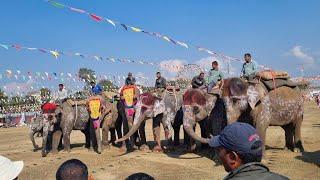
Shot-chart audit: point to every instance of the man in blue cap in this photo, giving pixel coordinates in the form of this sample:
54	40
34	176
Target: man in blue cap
240	151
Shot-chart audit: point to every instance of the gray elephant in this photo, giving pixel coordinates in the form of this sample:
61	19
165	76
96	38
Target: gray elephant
282	106
161	110
197	107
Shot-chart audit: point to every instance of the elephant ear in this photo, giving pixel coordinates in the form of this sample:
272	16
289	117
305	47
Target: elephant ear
253	96
159	107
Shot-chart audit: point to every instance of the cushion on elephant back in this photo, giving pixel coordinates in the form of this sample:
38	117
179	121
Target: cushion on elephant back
73	102
269	74
273	84
128	94
82	117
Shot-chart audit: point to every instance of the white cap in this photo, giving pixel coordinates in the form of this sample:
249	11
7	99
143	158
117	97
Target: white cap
8	169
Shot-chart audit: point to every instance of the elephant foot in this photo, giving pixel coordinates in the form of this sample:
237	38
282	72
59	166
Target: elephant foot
36	148
144	148
105	146
54	151
157	148
297	150
67	150
44	153
288	148
123	148
105	143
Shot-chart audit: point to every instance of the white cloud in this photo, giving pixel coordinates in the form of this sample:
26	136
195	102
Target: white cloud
297	52
205	64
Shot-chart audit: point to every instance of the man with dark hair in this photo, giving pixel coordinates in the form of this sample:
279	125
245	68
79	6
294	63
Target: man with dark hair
72	169
240	151
140	176
130	80
95	88
161	82
215	75
62	94
249	68
198	81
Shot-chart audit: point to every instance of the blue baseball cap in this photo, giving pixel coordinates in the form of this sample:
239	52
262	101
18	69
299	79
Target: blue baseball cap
238	137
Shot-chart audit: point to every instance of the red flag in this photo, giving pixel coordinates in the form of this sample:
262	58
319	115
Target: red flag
95	17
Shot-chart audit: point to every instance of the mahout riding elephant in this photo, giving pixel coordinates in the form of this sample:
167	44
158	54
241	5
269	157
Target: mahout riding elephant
160	110
198	107
282	106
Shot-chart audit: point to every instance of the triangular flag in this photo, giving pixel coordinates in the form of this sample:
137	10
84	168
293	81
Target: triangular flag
58	5
55	54
182	44
124	26
4	46
95	17
111	22
77	10
135	29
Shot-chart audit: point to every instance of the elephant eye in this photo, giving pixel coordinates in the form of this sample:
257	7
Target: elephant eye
196	110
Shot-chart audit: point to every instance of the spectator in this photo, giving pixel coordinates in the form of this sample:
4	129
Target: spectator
140	176
10	169
240	151
95	88
72	169
198	81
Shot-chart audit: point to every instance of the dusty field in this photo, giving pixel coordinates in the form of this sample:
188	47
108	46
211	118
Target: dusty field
112	164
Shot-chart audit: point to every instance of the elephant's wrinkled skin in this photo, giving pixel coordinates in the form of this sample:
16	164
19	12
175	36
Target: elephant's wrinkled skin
36	127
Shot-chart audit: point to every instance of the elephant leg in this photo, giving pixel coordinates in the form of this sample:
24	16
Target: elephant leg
113	135
118	125
261	130
204	131
56	138
97	135
66	141
288	129
156	132
193	144
186	138
31	136
297	136
142	133
176	132
105	135
87	137
45	140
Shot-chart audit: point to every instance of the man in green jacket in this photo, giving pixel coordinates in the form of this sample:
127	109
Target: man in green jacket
249	68
214	76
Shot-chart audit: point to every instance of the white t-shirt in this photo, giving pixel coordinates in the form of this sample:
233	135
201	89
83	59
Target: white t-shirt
63	94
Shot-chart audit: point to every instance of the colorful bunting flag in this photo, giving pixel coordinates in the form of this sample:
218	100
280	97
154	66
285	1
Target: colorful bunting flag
55	54
95	17
4	46
77	10
135	29
111	22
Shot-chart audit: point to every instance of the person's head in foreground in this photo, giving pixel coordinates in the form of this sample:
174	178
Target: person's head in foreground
72	169
247	57
201	75
240	151
10	169
140	176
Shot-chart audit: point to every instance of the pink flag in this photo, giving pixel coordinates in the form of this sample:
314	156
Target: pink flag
95	17
77	10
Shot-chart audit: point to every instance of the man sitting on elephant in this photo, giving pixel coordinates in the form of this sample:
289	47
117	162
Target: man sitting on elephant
198	82
215	75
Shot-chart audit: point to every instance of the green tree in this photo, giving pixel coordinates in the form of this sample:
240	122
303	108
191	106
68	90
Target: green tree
45	93
87	75
3	98
107	84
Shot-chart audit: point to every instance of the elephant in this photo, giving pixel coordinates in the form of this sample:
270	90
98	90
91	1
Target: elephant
126	108
68	118
198	107
161	110
254	104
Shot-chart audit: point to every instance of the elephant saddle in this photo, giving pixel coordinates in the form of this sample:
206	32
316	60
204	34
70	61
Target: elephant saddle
275	79
128	94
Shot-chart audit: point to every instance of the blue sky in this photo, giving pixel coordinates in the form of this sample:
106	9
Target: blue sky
280	34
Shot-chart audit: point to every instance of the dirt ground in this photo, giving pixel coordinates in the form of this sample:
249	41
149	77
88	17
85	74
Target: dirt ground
112	164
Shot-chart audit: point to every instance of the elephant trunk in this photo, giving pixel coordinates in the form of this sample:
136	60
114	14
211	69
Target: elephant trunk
194	136
132	130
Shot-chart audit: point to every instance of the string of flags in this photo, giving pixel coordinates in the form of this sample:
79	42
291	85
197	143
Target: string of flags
126	27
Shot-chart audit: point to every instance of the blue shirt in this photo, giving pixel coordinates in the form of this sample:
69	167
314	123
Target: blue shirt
249	68
96	89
